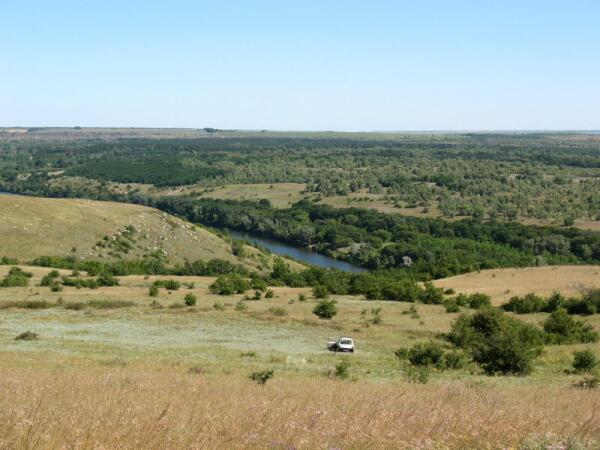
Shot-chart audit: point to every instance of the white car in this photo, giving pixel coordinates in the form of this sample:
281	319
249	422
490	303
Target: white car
343	344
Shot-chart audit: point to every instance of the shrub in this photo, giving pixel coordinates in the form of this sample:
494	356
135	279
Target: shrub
498	343
427	354
55	286
342	370
417	374
229	284
325	309
257	295
477	300
190	299
269	294
431	294
320	291
531	303
27	336
451	306
153	292
432	354
49	277
109	304
16	278
301	298
560	328
169	285
261	377
584	361
107	279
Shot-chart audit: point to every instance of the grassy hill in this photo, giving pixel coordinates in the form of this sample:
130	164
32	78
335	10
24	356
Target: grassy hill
33	227
502	284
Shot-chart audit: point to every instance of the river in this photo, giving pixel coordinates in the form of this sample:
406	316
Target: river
301	254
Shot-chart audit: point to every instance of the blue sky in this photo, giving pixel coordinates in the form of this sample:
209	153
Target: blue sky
306	65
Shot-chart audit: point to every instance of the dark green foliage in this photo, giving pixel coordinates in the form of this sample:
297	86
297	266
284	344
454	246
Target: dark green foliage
325	309
229	284
27	336
190	299
269	293
262	376
169	285
107	279
561	328
432	354
257	295
498	343
49	277
153	291
79	283
531	303
320	291
451	306
16	278
584	361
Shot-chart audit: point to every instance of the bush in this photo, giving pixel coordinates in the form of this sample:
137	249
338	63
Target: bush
531	303
431	294
257	295
325	309
498	343
27	336
107	279
49	277
169	285
229	284
301	298
16	278
190	299
451	306
320	291
55	286
261	377
342	370
560	328
269	294
432	354
153	292
584	361
477	300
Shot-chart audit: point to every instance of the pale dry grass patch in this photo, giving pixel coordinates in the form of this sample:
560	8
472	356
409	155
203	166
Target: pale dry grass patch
126	408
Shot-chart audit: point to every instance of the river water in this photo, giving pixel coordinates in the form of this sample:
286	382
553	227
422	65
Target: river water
301	254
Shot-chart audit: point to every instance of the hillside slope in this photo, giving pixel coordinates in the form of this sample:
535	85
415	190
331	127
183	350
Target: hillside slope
501	284
31	227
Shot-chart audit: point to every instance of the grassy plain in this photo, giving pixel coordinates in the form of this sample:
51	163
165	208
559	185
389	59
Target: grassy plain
150	374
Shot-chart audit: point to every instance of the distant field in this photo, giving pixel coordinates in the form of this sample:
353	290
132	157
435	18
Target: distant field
501	284
33	227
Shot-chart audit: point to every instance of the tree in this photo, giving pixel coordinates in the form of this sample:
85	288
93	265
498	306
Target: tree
497	342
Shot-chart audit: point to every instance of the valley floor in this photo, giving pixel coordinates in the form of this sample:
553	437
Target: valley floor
134	371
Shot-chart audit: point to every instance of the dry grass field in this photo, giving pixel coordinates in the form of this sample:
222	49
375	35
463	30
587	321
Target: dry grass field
153	373
33	227
502	284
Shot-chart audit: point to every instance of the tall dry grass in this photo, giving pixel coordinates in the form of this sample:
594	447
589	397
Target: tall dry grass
127	408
